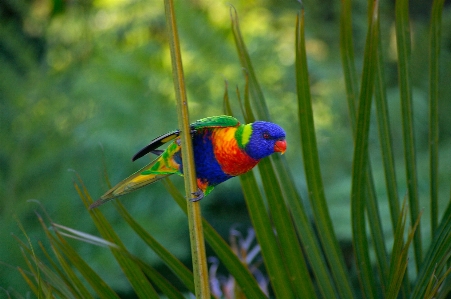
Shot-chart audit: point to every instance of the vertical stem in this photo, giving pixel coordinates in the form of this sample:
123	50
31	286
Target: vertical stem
200	271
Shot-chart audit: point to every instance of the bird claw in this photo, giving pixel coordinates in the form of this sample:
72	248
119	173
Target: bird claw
199	194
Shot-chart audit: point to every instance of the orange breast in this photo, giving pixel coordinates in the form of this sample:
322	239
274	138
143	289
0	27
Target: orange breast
232	159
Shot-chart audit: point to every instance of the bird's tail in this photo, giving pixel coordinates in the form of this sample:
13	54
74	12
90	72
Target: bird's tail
159	168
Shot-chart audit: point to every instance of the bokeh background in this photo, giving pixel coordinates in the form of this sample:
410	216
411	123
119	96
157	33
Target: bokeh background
84	84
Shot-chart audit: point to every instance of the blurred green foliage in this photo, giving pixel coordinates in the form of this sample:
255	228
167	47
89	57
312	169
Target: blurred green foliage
67	66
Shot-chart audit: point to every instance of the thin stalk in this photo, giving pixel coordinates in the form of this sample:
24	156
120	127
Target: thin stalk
200	271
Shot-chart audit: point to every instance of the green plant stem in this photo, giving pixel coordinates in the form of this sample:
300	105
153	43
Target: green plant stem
200	271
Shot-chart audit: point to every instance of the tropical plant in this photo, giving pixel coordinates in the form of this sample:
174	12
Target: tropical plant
300	251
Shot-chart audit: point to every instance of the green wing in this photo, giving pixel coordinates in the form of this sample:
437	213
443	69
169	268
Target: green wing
220	121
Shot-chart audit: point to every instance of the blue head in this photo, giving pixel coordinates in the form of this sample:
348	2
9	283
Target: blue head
265	139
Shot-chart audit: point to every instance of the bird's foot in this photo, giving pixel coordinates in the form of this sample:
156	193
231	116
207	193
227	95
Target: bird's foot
199	194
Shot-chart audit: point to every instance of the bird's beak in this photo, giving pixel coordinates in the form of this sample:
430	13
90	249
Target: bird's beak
280	146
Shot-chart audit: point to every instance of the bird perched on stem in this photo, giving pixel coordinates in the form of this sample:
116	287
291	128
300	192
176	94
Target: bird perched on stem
223	148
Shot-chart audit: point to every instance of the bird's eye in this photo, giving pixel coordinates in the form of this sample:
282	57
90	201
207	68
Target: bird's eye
266	136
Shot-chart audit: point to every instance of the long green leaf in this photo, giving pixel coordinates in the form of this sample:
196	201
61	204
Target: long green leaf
177	267
442	285
372	206
306	233
37	275
313	171
291	250
375	225
163	284
261	109
347	59
350	74
359	169
29	282
96	282
436	257
74	284
385	139
399	258
151	273
259	102
58	273
52	283
265	236
282	217
131	270
71	279
386	147
403	46
49	283
398	261
434	81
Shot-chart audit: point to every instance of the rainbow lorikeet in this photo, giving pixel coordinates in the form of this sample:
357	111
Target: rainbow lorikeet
223	148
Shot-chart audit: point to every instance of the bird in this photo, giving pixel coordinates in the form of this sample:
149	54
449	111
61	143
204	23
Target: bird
223	148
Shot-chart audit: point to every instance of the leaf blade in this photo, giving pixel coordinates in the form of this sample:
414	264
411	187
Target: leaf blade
403	49
360	160
312	170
